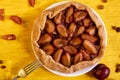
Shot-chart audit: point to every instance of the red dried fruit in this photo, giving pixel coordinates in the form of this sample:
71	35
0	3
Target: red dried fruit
1	14
16	19
32	2
9	37
1	17
1	11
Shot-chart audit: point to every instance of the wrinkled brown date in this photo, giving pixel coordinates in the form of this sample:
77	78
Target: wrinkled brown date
1	14
32	2
16	19
9	37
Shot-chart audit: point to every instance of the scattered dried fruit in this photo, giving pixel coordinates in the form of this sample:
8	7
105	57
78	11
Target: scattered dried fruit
117	68
66	59
3	67
118	65
32	2
105	1
1	14
100	7
1	17
8	37
101	71
1	11
116	28
16	19
1	62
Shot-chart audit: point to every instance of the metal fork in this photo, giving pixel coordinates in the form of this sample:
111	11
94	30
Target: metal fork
27	69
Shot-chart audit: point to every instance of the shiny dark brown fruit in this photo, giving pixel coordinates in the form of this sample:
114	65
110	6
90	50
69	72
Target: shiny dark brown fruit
101	71
98	67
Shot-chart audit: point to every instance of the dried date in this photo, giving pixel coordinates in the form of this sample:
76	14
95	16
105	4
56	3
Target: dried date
9	37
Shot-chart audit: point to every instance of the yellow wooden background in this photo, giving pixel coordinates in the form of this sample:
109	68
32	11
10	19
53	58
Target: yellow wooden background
18	53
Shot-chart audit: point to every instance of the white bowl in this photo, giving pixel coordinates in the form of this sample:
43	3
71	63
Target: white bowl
81	71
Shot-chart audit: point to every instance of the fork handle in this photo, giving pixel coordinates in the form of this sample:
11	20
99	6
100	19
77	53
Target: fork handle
16	77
